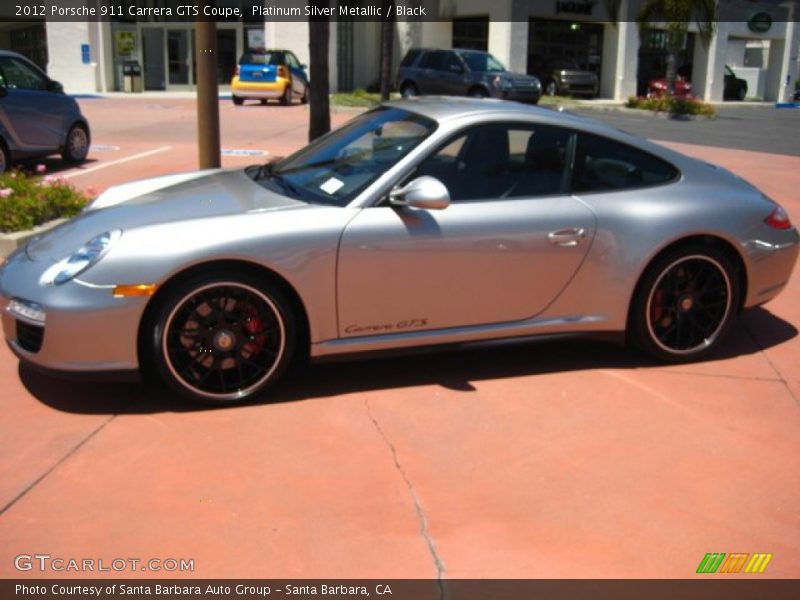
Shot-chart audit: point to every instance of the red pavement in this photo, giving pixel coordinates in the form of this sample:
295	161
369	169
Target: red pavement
568	459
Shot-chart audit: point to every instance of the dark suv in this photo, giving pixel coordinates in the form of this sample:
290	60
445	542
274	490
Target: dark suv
463	73
563	76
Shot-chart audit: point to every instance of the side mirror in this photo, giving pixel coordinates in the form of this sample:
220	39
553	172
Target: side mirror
55	86
303	67
423	192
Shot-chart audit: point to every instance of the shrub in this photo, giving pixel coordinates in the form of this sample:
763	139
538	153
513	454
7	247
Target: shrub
28	200
673	106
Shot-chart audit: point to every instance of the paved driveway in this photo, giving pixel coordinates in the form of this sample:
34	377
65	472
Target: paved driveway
558	459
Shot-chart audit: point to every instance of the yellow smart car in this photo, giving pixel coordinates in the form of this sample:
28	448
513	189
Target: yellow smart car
269	74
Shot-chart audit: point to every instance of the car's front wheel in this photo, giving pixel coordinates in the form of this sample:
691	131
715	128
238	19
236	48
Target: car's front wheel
550	88
685	304
76	148
222	339
409	90
238	101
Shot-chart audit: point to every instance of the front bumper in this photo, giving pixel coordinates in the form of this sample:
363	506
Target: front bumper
85	327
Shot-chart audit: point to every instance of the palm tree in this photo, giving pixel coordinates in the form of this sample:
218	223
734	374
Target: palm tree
319	96
676	15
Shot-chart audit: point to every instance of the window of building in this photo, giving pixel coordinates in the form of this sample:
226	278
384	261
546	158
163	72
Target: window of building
471	33
581	43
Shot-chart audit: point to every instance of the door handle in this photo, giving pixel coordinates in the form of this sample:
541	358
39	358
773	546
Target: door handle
568	237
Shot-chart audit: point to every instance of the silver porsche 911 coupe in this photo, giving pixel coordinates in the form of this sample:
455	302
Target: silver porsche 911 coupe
422	222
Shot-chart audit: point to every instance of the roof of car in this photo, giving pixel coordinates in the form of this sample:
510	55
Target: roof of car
442	108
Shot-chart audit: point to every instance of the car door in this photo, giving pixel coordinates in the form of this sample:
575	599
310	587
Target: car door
33	115
299	77
509	243
431	79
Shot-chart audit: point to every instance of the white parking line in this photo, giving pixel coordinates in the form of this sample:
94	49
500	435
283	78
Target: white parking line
117	162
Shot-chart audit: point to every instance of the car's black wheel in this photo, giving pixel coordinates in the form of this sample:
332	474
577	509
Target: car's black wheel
478	92
222	339
304	97
684	304
5	160
550	88
237	100
409	90
76	146
263	102
286	97
741	94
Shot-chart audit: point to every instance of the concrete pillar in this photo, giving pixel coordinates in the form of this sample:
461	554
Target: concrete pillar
64	40
708	70
783	64
620	60
508	42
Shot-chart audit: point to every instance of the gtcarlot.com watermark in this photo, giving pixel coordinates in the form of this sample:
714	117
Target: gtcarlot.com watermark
48	563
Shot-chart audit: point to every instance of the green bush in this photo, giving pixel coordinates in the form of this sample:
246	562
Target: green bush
27	200
672	105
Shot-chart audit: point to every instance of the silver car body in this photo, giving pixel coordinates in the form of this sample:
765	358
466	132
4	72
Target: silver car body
378	277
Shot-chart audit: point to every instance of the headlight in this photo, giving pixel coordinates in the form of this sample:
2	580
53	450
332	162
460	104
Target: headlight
80	260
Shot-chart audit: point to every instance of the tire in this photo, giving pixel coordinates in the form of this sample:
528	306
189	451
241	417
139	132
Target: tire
5	159
550	88
304	98
409	90
478	93
246	337
263	102
237	100
286	97
76	146
684	304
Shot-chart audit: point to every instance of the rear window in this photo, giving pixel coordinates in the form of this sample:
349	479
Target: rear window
602	164
262	58
410	57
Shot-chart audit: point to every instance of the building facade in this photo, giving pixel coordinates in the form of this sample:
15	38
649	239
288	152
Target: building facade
759	40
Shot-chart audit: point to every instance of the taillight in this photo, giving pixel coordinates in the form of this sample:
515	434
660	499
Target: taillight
778	218
282	72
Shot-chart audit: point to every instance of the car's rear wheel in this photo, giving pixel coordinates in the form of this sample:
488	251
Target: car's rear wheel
685	304
286	97
304	98
741	94
76	147
409	90
223	339
237	100
550	88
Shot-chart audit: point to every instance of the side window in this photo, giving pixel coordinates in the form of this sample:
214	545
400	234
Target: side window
452	63
434	60
602	164
410	57
503	161
20	75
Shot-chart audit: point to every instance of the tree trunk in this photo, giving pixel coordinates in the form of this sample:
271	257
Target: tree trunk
319	96
387	48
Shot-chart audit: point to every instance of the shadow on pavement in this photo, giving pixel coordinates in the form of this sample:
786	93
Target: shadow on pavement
756	330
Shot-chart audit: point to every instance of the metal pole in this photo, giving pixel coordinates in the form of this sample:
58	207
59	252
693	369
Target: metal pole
208	139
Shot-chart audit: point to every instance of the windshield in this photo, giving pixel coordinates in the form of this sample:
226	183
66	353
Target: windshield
335	168
480	61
